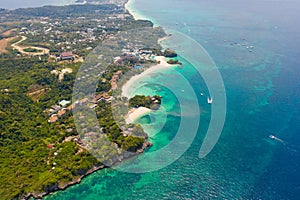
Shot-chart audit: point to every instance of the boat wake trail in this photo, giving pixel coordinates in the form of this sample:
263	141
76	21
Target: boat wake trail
278	139
288	146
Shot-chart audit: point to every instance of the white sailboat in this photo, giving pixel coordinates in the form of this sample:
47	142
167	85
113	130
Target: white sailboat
209	100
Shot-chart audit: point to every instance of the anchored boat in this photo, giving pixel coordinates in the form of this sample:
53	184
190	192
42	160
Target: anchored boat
209	100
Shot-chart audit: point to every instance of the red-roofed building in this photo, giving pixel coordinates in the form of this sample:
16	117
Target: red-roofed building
66	56
50	146
99	97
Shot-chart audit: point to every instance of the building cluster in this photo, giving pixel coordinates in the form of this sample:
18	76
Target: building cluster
134	55
58	111
65	56
103	96
68	34
114	80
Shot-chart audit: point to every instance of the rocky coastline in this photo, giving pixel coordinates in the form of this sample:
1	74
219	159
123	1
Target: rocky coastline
56	187
84	173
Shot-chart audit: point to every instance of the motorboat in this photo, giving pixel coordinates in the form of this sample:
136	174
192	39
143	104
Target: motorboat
209	100
272	137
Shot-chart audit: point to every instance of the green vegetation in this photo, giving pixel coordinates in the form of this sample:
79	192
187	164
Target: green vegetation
32	50
173	62
61	11
26	162
56	27
170	53
113	131
145	101
35	155
14	40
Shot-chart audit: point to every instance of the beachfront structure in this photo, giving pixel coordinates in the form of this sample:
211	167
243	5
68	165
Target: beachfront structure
132	58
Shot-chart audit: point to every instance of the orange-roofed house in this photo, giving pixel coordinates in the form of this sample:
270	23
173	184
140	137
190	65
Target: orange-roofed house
53	119
61	112
70	108
66	56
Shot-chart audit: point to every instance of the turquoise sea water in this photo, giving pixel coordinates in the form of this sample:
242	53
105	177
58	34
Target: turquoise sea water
262	88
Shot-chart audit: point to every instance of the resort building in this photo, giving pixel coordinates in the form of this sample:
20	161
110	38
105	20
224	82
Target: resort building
66	56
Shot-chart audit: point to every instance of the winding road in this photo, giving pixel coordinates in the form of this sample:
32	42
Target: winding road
21	48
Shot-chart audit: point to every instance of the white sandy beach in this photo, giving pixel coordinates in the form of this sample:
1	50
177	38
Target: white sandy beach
160	40
133	12
139	112
135	113
163	64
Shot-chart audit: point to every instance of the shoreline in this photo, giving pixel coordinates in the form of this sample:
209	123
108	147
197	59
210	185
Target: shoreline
133	114
161	65
54	188
133	12
51	189
136	113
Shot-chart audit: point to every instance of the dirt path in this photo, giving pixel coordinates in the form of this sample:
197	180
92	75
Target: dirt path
9	32
21	48
3	45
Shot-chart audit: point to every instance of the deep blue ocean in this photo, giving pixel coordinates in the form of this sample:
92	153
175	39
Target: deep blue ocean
256	48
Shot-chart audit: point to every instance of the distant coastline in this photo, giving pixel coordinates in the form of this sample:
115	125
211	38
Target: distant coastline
136	15
6	4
